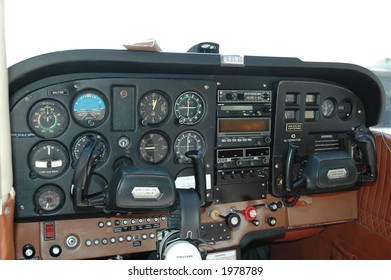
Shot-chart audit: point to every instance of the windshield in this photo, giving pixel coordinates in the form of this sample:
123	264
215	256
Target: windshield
336	31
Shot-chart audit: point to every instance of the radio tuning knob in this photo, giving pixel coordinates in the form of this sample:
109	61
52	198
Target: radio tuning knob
230	96
241	96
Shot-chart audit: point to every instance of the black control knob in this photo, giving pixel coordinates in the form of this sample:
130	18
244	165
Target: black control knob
223	175
233	220
55	250
243	174
230	96
273	206
28	251
241	96
271	221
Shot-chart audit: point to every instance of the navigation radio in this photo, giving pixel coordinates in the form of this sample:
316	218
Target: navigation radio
243	118
243	144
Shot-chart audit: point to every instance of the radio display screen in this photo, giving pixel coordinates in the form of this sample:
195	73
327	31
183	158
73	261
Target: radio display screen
248	125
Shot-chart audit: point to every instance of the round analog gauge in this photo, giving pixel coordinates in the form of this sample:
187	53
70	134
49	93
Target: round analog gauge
153	108
49	159
81	142
48	198
153	147
89	108
188	141
48	118
189	108
328	108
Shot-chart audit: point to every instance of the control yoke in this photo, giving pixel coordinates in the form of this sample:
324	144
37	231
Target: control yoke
331	170
131	188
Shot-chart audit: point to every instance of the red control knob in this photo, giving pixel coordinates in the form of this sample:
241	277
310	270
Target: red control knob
250	213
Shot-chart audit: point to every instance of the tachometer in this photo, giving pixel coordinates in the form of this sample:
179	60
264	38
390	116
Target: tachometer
153	147
48	118
89	108
188	141
153	108
189	108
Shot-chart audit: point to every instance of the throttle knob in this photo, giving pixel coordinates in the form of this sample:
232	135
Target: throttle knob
250	213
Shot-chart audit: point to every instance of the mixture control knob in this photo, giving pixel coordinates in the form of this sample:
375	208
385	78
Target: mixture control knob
55	250
233	220
271	221
28	251
250	213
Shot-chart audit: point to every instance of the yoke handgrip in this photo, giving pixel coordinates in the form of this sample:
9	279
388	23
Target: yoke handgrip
199	173
290	155
367	145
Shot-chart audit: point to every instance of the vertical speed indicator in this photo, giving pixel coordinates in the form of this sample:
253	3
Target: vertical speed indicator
189	108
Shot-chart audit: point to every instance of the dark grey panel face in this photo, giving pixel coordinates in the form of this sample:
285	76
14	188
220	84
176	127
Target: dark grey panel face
150	109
